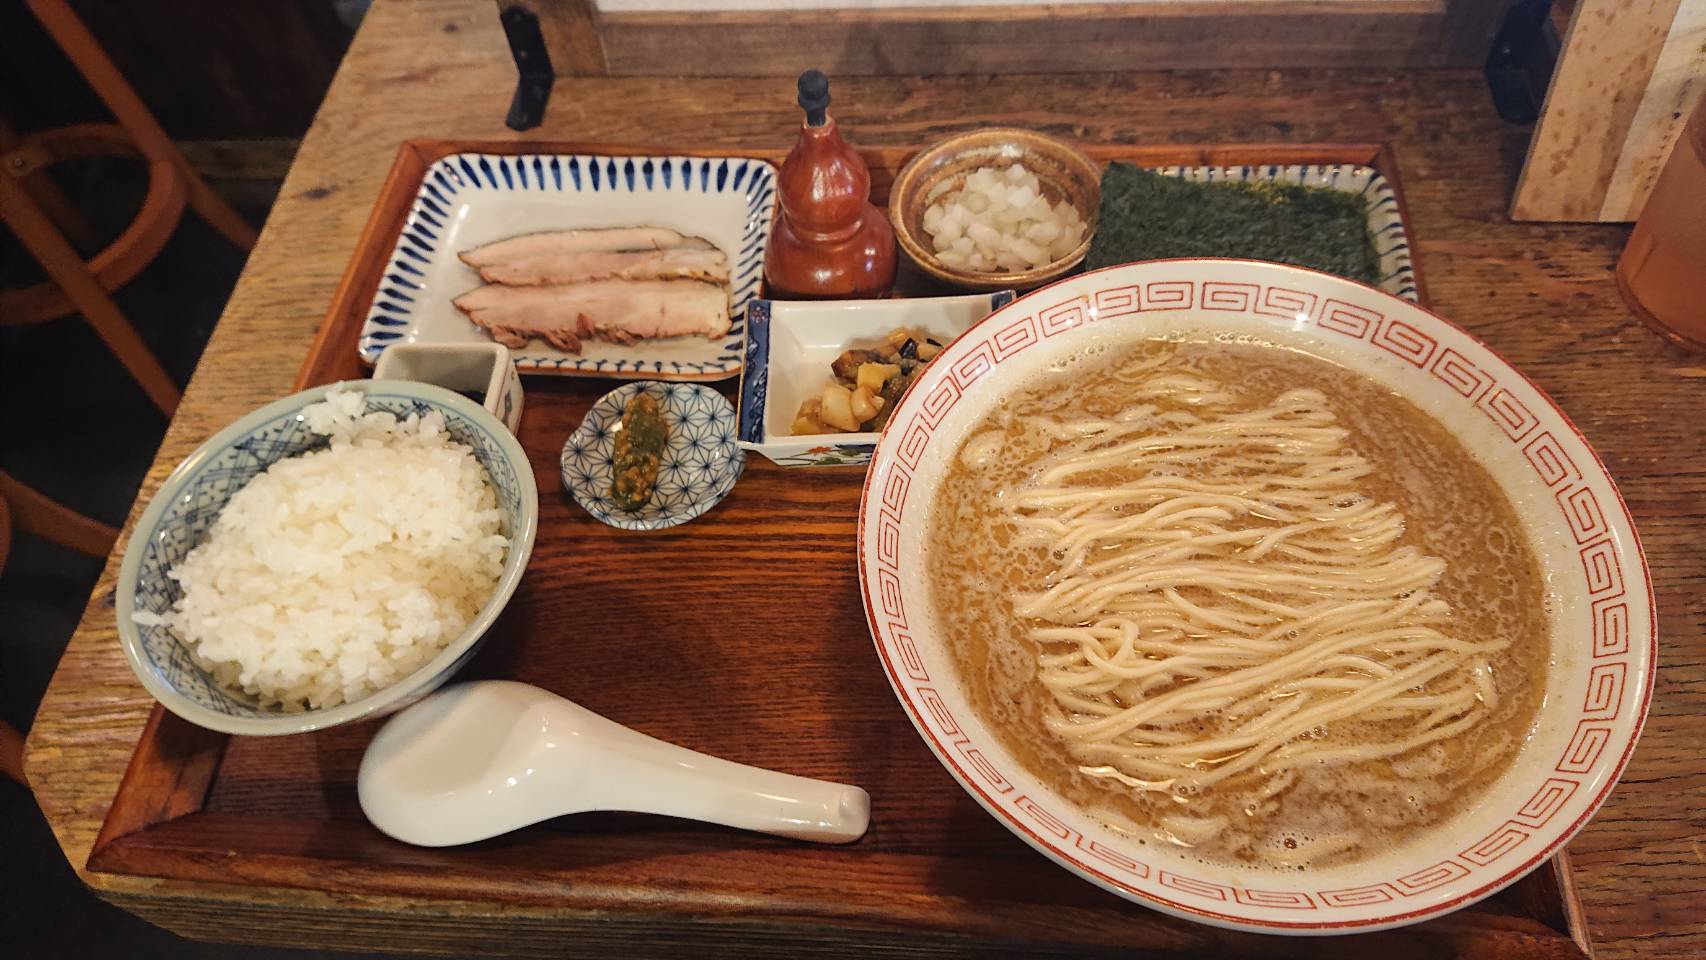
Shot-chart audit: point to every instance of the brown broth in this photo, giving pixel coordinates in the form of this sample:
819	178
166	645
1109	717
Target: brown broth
1454	511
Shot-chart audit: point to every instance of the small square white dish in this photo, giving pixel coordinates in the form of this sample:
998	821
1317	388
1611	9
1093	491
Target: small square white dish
470	199
467	368
790	345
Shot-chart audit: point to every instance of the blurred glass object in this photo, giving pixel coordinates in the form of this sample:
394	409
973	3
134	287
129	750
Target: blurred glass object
1663	269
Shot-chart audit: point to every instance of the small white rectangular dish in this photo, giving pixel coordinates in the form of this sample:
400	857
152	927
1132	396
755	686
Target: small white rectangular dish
483	372
791	344
470	199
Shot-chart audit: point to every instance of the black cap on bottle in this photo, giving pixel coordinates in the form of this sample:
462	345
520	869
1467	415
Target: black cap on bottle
814	96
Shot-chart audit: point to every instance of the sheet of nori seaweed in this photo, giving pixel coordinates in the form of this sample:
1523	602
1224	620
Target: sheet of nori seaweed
1146	216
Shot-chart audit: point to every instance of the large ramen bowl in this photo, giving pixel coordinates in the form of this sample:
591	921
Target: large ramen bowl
1596	686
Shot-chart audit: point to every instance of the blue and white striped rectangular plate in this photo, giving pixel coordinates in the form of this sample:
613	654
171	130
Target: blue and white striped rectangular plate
469	199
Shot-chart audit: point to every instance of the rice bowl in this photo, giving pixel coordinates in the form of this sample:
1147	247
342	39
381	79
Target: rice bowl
268	589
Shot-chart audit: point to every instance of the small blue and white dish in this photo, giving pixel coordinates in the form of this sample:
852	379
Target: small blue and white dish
700	465
470	199
183	511
790	345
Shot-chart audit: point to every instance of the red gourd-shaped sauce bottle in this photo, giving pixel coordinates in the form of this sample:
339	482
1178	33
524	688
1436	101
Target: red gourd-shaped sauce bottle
829	242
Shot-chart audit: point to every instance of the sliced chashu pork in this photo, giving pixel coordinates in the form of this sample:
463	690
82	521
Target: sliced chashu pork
681	263
556	243
621	311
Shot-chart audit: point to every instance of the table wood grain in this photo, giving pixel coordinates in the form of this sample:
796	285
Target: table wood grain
1542	295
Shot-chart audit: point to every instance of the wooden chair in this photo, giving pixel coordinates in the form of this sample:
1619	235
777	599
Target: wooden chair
12	753
51	229
11	743
43	219
59	524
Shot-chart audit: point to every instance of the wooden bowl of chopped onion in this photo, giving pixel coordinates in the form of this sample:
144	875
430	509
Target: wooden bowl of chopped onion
997	208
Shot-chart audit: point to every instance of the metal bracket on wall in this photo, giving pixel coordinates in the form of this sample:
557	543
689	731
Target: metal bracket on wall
532	66
1521	63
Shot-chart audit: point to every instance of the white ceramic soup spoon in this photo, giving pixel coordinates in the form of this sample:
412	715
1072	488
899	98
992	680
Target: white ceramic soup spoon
479	759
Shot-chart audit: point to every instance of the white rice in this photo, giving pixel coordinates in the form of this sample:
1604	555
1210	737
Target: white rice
336	573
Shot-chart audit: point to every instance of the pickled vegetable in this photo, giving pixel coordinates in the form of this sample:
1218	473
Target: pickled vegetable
640	445
867	383
866	404
872	376
838	408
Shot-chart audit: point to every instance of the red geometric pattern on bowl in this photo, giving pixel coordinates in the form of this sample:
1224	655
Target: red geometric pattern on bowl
1559	457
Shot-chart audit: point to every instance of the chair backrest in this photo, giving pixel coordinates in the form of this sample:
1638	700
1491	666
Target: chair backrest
103	76
5	533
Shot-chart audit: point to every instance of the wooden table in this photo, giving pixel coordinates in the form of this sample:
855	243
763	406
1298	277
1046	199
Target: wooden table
1541	295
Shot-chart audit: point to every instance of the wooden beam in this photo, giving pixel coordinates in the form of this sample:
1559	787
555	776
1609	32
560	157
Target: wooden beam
571	32
1629	73
1017	38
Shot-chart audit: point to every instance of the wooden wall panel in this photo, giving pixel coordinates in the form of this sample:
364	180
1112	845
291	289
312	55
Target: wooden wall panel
1019	38
1629	73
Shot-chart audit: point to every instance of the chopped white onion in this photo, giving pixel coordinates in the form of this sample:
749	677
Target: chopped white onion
1000	220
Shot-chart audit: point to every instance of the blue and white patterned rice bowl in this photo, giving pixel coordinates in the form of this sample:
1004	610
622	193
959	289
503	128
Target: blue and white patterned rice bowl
470	199
183	511
700	465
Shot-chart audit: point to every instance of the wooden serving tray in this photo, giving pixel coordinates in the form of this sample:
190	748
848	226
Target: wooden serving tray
740	634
